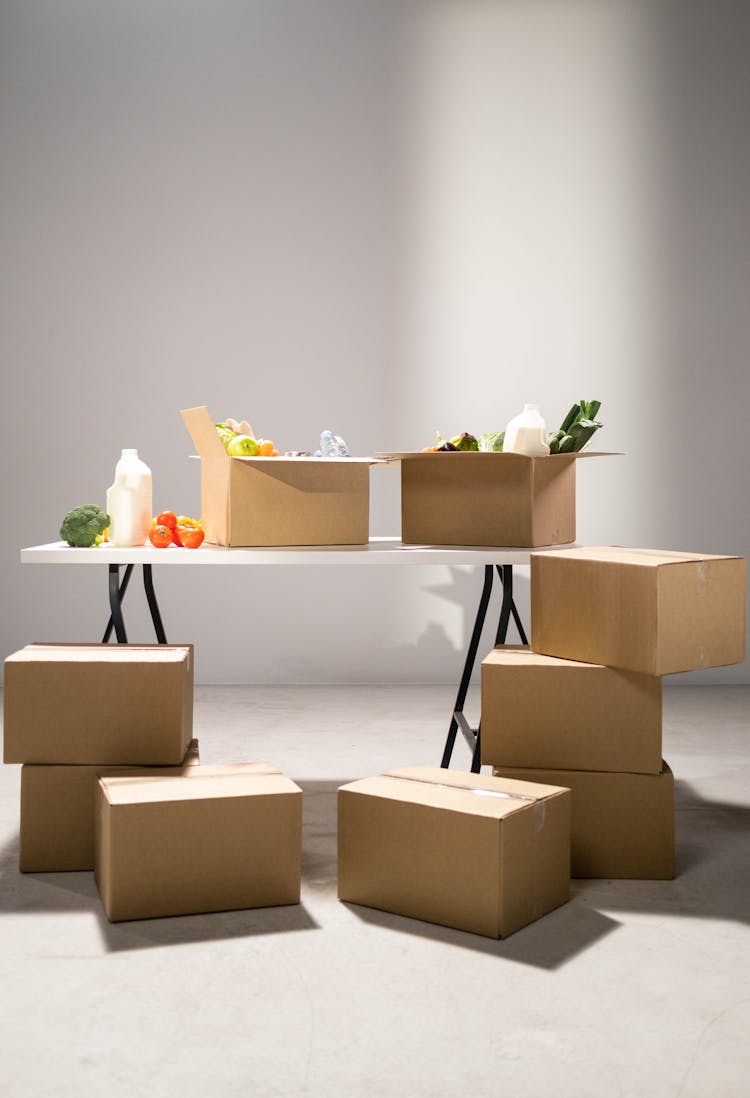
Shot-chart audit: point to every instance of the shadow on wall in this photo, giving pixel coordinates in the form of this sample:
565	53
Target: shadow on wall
434	648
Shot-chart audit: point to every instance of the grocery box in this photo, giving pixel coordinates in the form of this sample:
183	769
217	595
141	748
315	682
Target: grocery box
622	824
470	498
647	610
216	839
469	851
544	711
278	500
57	811
124	704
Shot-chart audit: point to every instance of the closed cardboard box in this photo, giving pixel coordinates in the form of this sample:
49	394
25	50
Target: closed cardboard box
120	704
542	711
225	837
58	805
487	499
645	610
622	824
476	853
278	500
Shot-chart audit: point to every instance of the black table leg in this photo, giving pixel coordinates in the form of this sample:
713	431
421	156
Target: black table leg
471	655
117	594
148	583
508	610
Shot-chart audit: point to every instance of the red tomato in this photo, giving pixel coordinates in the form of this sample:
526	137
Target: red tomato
190	536
166	518
160	536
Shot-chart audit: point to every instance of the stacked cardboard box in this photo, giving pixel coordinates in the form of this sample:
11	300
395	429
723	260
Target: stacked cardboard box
104	734
582	708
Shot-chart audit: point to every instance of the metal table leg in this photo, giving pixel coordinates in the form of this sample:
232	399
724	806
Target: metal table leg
117	594
508	610
148	583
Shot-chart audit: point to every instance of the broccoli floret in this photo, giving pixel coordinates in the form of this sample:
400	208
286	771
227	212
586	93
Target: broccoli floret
83	525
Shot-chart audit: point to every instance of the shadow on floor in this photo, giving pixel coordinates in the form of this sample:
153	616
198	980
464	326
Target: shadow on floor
547	943
713	855
71	893
713	852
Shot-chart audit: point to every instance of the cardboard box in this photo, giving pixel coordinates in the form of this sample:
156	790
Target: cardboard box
123	704
278	501
221	838
58	805
622	824
645	610
562	714
472	852
488	499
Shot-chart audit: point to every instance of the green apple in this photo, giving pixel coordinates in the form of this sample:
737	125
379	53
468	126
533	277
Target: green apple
242	446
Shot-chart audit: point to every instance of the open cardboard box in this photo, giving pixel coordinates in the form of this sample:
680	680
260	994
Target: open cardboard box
254	501
470	498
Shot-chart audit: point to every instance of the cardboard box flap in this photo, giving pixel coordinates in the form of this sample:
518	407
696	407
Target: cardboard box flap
402	455
207	442
101	653
438	787
203	432
649	558
203	783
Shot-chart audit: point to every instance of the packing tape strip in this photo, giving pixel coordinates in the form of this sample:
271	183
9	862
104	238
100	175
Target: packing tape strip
467	788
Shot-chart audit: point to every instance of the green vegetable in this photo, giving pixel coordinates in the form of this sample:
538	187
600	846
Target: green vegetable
83	525
225	433
492	443
578	427
465	442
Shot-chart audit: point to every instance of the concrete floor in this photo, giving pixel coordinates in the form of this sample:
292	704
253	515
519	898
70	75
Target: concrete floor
632	989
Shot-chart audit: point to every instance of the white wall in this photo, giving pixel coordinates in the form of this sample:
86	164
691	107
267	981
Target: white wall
380	218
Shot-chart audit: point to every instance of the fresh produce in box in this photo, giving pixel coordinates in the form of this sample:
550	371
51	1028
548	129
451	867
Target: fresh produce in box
240	441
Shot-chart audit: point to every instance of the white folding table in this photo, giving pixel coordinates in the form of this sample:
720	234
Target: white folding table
378	551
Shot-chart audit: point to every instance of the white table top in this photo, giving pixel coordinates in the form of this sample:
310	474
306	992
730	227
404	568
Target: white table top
377	551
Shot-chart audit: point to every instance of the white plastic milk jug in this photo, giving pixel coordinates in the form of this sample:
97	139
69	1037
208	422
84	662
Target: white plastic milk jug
129	501
526	433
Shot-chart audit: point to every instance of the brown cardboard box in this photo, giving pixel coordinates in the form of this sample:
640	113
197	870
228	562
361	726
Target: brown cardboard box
57	812
463	850
645	610
622	824
278	501
543	711
488	499
121	704
221	838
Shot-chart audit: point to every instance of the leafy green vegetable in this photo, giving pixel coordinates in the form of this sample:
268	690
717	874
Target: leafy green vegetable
492	443
576	429
83	525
